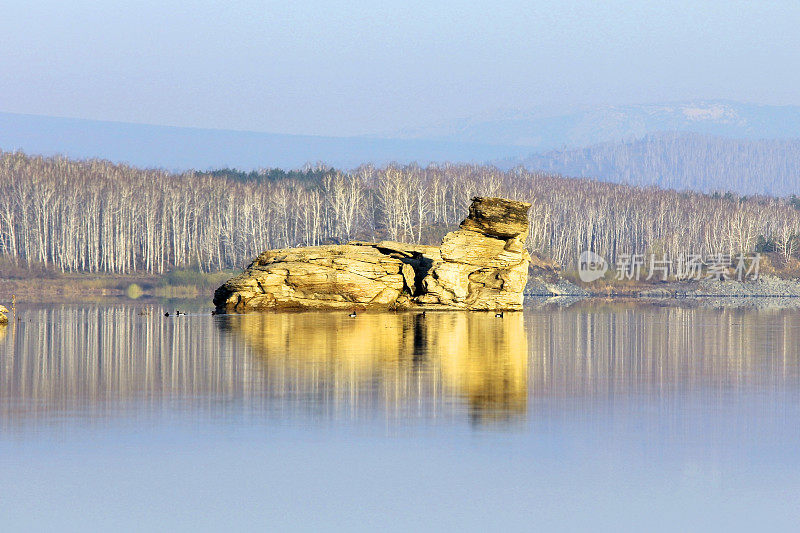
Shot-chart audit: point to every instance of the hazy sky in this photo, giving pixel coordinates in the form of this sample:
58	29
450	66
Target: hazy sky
344	68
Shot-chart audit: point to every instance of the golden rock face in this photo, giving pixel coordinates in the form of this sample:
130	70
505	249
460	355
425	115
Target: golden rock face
319	277
498	217
482	266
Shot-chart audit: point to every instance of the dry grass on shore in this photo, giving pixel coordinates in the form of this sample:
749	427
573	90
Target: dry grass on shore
56	287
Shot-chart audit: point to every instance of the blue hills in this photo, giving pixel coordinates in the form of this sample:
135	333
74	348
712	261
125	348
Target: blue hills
701	145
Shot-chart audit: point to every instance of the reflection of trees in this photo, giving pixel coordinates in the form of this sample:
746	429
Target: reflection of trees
94	360
87	358
395	356
616	350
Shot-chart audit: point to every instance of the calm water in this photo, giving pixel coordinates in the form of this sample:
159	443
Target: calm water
592	417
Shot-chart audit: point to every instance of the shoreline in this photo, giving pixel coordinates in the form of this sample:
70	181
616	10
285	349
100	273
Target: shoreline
766	292
179	285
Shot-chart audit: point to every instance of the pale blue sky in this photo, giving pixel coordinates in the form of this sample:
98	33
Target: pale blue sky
348	68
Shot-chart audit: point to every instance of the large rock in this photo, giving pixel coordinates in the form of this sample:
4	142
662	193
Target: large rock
481	266
355	275
484	264
3	317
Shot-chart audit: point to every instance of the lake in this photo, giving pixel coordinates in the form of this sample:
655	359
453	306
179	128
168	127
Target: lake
592	417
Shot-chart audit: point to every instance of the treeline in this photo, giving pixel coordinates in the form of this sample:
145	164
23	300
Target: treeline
310	174
685	162
95	216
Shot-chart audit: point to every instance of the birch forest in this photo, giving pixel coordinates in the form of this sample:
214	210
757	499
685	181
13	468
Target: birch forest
96	216
688	161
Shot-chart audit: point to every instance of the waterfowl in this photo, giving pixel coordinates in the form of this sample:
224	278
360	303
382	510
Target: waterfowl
498	315
166	314
352	315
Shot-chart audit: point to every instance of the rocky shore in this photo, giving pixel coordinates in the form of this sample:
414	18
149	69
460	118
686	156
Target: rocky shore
762	293
481	266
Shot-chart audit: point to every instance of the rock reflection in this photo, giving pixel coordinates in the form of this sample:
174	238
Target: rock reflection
397	357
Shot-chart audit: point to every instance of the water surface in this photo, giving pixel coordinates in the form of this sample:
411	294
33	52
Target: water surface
601	417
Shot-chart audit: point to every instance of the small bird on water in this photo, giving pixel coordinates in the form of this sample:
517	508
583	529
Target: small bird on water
498	315
166	314
352	315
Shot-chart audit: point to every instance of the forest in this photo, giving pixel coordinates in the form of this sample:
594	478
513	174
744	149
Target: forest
96	216
685	161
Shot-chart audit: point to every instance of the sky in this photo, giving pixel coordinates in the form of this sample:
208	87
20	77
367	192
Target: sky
360	68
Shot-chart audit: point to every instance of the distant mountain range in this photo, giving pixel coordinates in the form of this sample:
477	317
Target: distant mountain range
177	148
706	145
541	129
687	161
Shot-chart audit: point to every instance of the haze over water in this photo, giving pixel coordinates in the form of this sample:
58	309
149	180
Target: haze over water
611	417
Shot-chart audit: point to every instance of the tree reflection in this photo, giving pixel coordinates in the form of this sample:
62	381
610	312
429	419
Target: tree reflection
106	361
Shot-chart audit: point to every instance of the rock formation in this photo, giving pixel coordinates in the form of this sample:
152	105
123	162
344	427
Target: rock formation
3	317
481	266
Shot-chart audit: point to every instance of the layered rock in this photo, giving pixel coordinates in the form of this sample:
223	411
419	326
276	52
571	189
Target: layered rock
484	264
354	275
481	266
